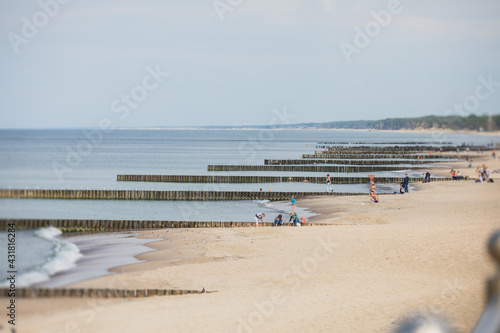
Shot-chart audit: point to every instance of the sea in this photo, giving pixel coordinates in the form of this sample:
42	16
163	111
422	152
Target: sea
92	159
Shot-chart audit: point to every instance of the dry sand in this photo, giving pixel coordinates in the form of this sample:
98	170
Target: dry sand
373	265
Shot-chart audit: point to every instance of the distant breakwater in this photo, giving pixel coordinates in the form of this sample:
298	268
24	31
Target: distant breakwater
308	168
264	179
346	161
375	155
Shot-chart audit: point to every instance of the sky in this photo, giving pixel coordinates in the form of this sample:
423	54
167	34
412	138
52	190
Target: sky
74	63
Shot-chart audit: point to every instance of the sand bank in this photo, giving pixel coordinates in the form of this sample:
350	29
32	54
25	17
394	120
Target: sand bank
373	265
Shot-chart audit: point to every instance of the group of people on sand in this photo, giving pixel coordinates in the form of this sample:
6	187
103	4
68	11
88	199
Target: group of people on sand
483	174
456	175
278	220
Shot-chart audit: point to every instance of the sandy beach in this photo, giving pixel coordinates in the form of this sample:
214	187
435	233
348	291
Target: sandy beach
373	265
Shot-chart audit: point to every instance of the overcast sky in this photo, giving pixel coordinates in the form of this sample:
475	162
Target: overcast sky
73	63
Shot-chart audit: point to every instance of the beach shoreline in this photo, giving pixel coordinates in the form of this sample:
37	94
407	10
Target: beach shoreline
372	265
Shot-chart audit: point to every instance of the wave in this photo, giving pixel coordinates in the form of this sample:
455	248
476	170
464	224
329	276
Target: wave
262	203
48	233
62	256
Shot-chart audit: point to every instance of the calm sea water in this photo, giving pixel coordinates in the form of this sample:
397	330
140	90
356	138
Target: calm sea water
86	159
81	159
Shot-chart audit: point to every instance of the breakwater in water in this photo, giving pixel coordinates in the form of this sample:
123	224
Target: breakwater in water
160	195
263	179
400	149
373	155
75	225
307	168
348	162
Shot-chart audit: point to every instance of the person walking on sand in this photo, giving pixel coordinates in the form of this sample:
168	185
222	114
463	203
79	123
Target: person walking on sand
328	183
259	217
292	200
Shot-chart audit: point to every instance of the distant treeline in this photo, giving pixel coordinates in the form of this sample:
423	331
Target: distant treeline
472	122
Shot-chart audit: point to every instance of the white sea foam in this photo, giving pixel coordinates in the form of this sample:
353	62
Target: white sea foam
63	256
262	203
48	233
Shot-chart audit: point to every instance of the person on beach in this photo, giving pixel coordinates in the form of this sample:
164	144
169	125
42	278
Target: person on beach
401	188
278	220
296	221
479	179
478	173
373	194
303	220
427	177
372	178
292	200
328	183
406	181
293	217
259	217
494	154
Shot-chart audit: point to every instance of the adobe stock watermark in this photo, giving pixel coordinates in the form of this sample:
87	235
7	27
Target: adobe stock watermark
292	280
471	103
264	137
122	106
249	147
221	7
363	37
31	27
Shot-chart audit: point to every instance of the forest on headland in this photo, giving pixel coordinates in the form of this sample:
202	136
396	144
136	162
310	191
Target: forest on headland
471	123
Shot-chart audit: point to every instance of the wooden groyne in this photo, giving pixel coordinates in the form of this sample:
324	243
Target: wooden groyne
308	168
399	149
424	143
160	195
210	179
377	156
94	293
90	225
342	161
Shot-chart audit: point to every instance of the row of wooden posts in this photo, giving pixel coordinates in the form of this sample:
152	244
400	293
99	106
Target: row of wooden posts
404	148
160	195
394	143
94	292
86	225
374	155
348	162
263	179
308	168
